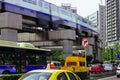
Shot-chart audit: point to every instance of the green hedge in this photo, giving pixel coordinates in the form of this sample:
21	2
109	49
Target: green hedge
103	74
82	74
10	76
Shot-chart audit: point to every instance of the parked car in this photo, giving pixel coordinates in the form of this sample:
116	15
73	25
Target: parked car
57	64
118	71
108	67
50	66
53	65
49	75
96	68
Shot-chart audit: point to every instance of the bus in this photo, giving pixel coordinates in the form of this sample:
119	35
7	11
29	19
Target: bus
21	57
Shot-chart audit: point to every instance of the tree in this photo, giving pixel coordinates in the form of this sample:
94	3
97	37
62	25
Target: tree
110	52
57	55
116	50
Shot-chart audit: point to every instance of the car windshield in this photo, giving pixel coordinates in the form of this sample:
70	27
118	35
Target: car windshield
36	76
71	63
95	65
107	64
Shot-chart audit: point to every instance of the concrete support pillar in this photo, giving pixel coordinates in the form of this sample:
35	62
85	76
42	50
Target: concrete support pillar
66	38
9	34
99	54
67	47
10	23
89	50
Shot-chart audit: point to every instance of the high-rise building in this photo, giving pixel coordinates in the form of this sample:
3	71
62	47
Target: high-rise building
98	20
102	24
93	18
113	20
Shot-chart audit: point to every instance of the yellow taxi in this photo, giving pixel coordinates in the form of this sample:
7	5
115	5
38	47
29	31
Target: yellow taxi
49	75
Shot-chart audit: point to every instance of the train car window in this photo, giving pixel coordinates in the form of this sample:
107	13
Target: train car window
40	3
31	1
53	8
46	5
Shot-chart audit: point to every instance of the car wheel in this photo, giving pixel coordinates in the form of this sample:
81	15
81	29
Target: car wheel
118	76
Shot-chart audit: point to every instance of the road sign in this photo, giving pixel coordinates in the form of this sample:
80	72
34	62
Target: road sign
118	56
85	42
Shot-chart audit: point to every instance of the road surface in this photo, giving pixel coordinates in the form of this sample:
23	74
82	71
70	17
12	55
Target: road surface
110	78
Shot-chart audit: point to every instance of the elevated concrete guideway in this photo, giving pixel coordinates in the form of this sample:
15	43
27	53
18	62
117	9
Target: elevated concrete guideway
19	23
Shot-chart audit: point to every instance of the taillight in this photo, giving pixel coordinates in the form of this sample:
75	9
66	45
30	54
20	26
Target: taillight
52	66
117	68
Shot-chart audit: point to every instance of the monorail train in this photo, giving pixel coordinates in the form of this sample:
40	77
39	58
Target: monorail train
46	12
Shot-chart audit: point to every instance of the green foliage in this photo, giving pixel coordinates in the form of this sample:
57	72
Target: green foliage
10	76
57	55
109	53
105	74
1	79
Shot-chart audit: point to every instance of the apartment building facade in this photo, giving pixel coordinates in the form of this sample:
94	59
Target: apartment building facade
112	21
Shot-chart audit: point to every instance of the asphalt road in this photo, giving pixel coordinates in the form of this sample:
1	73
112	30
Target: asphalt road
110	78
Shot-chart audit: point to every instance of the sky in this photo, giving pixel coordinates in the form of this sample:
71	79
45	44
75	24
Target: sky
84	7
